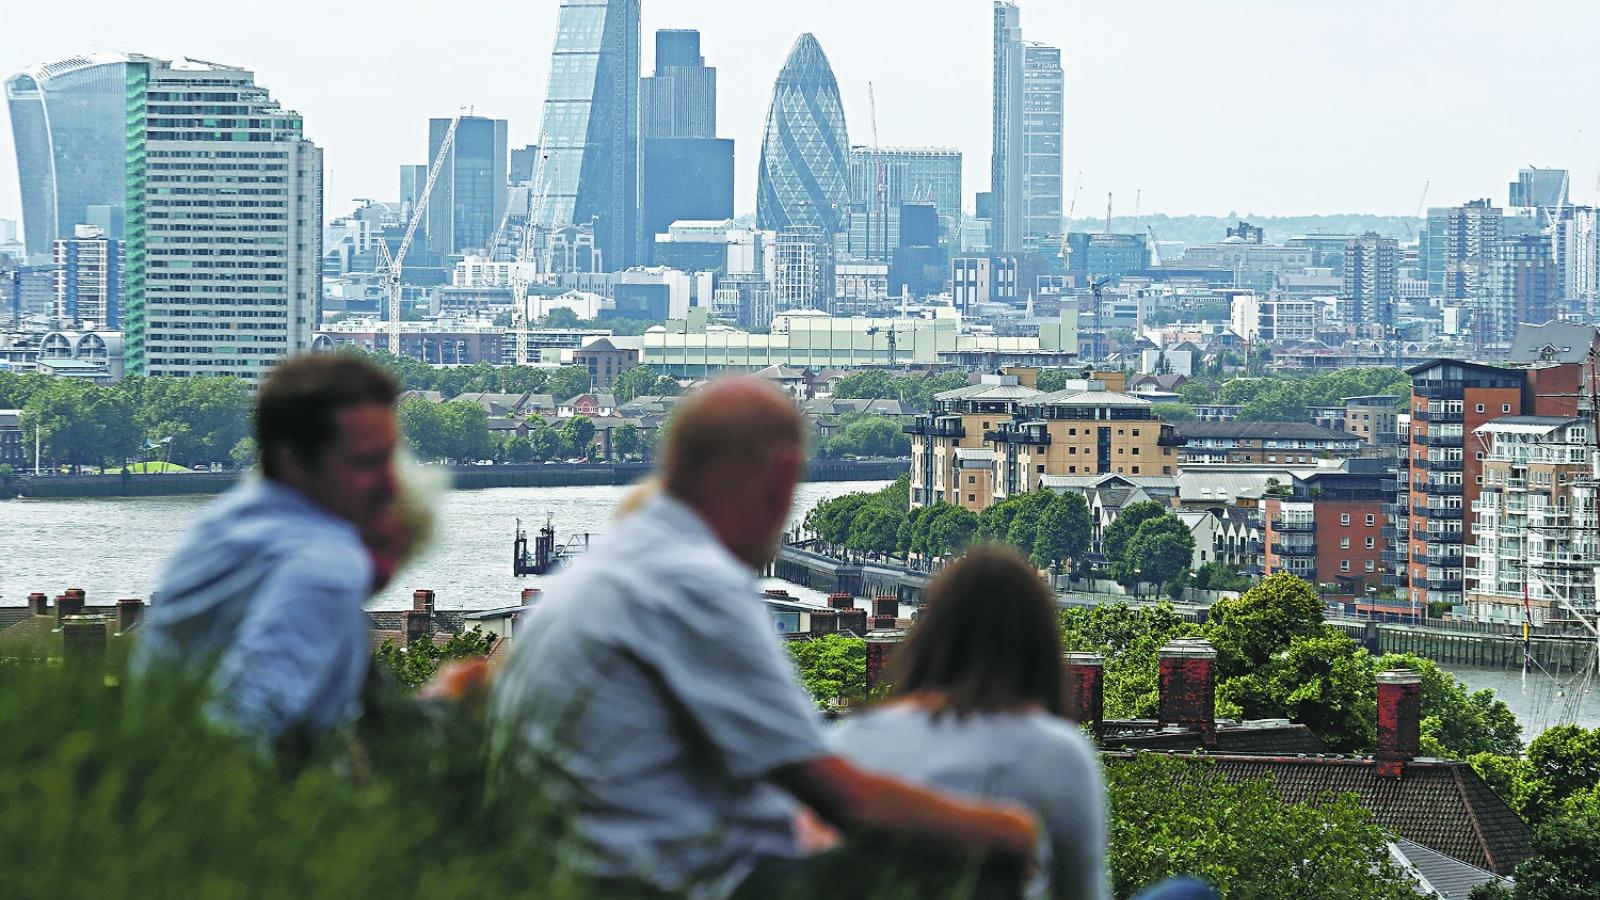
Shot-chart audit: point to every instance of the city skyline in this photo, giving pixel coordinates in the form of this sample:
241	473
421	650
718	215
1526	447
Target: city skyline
1239	101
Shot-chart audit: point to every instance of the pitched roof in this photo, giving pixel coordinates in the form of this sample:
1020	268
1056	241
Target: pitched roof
1440	875
1075	397
1566	342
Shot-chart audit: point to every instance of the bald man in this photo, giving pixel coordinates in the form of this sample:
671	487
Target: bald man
649	693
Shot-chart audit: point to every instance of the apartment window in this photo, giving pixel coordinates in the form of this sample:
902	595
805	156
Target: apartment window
1041	468
1480	407
1372	566
1372	519
1344	518
972	498
1505	407
1135	470
1344	565
1136	451
1480	455
1136	432
1344	543
1372	543
972	479
1166	470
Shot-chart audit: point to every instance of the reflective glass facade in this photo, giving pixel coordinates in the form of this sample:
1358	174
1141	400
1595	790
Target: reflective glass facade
588	166
68	123
1005	163
804	180
1043	100
469	196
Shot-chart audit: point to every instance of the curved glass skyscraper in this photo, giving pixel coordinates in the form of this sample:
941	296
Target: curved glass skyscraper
69	121
805	156
587	172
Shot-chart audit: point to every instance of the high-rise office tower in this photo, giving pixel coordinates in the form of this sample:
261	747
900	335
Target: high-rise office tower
908	175
412	179
804	178
1043	105
1521	285
522	160
68	122
469	195
804	277
687	171
1539	188
1371	280
1461	241
224	223
1581	261
89	279
1006	170
588	165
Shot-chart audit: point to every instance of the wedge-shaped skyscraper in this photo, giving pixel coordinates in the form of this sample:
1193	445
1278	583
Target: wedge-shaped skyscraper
805	156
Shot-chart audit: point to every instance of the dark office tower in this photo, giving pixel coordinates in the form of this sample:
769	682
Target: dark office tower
1006	166
680	100
1462	241
905	175
804	180
589	140
469	195
1043	104
1520	286
412	178
69	122
1539	187
522	159
1371	280
687	171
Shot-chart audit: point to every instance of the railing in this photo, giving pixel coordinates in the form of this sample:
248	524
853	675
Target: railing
1438	465
1443	489
1294	549
1444	585
1294	525
1439	440
1395	555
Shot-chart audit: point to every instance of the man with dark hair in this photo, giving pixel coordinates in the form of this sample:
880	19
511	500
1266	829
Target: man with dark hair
265	596
648	693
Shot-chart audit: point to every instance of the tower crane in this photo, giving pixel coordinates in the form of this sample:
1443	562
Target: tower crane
389	268
880	200
1422	207
1066	248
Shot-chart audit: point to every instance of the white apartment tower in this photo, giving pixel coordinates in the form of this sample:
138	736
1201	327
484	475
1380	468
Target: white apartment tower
224	223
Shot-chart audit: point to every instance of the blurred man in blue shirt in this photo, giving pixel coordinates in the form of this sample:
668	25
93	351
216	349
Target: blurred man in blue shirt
265	597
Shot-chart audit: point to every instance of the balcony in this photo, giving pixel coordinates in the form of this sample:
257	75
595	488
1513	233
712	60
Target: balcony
1294	526
1436	512
1438	415
1395	555
1437	465
1397	510
1436	558
936	429
1038	438
1439	390
1298	550
1446	585
1391	580
1395	532
1169	439
1442	489
1438	440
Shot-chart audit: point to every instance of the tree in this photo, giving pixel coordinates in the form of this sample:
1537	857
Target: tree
466	431
635	382
562	317
833	668
567	382
1250	630
243	454
1159	552
874	530
1175	816
1566	861
625	441
949	530
413	666
1173	412
205	417
1129	638
1561	762
545	441
577	436
1326	683
869	435
1062	532
1456	723
423	427
515	449
81	423
1115	539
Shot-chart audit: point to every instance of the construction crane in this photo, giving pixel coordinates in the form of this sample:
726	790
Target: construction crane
1108	212
519	278
1155	254
1066	248
1421	209
880	198
389	268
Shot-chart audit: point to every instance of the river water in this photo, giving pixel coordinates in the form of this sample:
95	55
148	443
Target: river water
114	547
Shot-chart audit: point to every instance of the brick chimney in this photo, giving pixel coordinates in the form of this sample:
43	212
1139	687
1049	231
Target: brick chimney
841	601
68	604
416	626
529	595
1188	687
422	600
83	641
129	611
1083	689
1399	720
853	621
39	604
879	645
824	621
885	612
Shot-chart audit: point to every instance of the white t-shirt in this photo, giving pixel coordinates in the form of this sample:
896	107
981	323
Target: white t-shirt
1033	759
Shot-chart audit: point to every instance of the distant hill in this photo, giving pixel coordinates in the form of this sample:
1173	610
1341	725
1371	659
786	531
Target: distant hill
1207	229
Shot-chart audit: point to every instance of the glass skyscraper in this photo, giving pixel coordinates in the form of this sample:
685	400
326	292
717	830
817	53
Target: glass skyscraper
589	143
469	197
67	119
910	175
687	171
1043	102
804	179
1006	160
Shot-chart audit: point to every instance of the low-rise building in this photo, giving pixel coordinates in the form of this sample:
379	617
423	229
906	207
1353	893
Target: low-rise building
605	361
1263	442
12	452
1083	429
959	420
1329	529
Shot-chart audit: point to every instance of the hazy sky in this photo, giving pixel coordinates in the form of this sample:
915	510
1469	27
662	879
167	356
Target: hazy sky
1264	106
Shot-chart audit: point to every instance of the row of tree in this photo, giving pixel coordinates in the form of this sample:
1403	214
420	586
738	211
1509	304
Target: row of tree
916	391
1287	398
415	375
864	434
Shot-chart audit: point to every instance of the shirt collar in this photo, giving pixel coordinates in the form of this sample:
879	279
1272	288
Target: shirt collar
681	519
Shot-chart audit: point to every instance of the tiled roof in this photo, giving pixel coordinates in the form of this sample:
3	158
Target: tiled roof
1447	877
1260	738
1439	804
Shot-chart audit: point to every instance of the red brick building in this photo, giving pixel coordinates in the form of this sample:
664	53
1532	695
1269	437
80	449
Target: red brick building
1329	530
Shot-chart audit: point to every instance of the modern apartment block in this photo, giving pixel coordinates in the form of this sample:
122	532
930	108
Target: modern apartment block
89	279
1329	530
1371	281
1043	131
1258	318
1264	443
1521	284
952	436
1457	247
224	223
1006	170
1081	430
1441	474
1534	546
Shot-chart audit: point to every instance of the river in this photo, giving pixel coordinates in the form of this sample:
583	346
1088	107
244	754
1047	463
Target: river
114	547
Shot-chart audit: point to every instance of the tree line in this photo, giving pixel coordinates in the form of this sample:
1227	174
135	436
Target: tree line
1287	398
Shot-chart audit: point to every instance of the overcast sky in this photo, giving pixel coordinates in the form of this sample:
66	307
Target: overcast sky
1255	106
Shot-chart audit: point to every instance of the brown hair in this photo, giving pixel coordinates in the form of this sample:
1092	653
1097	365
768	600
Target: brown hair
299	401
988	637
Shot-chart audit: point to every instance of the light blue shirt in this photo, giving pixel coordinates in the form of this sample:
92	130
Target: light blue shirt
649	691
268	592
1032	759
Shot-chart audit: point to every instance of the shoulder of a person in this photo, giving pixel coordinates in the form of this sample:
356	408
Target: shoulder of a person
1060	737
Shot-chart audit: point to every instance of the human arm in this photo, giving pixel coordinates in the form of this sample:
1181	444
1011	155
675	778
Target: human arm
854	800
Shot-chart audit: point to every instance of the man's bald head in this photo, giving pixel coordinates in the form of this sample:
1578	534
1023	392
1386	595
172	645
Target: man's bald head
734	453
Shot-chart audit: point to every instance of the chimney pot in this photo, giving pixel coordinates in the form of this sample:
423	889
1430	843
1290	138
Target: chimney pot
39	604
68	604
841	601
1188	687
1399	720
880	644
422	600
529	595
824	621
417	626
83	641
1083	689
886	605
129	612
853	621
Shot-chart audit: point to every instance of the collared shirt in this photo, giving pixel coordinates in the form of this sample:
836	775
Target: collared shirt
267	592
1032	759
650	690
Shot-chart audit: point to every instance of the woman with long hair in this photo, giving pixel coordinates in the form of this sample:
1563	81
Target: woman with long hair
975	709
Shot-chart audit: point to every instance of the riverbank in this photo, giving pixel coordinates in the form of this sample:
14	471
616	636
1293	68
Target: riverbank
466	478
